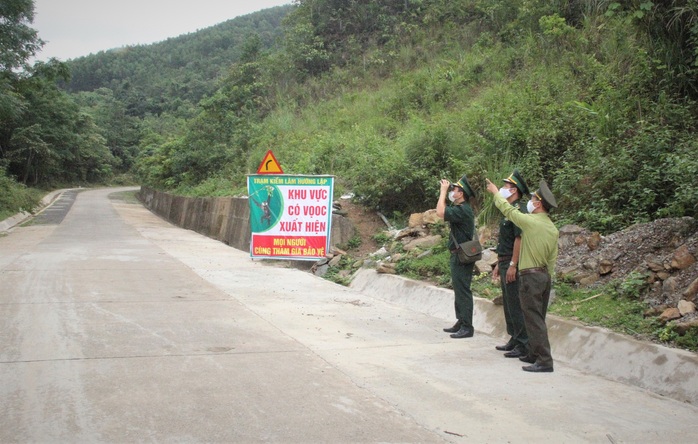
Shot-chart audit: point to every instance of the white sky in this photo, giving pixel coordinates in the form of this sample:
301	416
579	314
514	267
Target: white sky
74	28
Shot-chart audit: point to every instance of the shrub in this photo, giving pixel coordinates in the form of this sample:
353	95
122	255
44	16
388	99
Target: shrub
354	243
632	287
15	197
435	267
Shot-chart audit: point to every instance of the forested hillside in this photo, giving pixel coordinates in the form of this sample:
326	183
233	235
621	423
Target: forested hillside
157	78
44	135
82	121
597	97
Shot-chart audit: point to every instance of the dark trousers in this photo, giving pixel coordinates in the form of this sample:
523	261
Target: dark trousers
462	276
534	294
516	328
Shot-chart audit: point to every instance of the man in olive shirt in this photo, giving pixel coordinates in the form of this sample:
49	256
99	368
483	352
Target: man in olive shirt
506	272
536	268
461	218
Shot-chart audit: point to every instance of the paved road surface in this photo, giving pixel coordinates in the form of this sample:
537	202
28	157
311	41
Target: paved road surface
116	326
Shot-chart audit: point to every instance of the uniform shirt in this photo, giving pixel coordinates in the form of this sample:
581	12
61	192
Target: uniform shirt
462	221
539	239
508	232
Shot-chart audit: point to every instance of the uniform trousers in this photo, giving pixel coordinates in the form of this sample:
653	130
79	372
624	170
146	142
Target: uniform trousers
513	315
534	294
462	277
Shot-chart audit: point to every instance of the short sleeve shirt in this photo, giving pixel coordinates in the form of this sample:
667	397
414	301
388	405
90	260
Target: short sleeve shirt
508	232
462	222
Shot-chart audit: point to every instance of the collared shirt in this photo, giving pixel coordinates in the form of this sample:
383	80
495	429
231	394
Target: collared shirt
539	239
508	232
462	221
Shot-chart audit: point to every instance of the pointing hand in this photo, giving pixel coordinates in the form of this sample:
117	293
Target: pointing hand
492	188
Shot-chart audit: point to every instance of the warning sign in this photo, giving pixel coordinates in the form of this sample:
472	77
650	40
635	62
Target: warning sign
290	216
269	165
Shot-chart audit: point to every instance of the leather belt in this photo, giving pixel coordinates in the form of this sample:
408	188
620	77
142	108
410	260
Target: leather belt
503	258
533	270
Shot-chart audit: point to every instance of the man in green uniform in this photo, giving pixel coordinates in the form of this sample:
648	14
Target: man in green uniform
508	249
461	219
536	268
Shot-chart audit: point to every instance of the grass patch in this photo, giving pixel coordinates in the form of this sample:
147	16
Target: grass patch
382	238
340	273
434	267
15	197
483	287
352	244
603	308
617	307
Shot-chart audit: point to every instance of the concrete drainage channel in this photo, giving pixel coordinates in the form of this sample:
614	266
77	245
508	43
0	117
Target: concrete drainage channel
44	205
666	371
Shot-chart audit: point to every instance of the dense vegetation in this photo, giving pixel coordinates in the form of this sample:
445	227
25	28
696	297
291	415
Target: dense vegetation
174	75
82	121
44	135
598	97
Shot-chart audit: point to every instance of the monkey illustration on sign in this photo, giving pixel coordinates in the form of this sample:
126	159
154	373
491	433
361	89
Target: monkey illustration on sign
264	206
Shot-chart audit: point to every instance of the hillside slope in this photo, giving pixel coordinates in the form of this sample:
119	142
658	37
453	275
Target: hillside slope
183	68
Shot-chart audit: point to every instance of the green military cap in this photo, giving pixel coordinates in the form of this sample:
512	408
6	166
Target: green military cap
465	186
516	179
543	193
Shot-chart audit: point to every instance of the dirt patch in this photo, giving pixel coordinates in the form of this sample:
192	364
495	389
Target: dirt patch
650	249
367	223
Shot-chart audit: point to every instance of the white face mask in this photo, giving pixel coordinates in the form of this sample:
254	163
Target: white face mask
506	192
450	196
530	207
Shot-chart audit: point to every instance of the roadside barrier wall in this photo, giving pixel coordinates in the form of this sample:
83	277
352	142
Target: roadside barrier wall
226	219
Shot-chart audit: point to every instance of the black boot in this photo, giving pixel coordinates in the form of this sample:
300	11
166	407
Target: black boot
464	332
528	358
517	352
509	346
455	327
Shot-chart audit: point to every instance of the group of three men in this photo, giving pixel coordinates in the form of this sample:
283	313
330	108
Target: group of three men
526	255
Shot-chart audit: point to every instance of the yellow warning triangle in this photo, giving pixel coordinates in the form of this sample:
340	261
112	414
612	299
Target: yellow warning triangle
269	165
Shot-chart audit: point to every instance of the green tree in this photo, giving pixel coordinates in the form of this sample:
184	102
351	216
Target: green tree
18	41
174	75
44	138
305	50
51	140
219	136
119	129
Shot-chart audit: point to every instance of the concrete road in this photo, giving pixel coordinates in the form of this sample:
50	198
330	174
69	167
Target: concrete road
116	326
